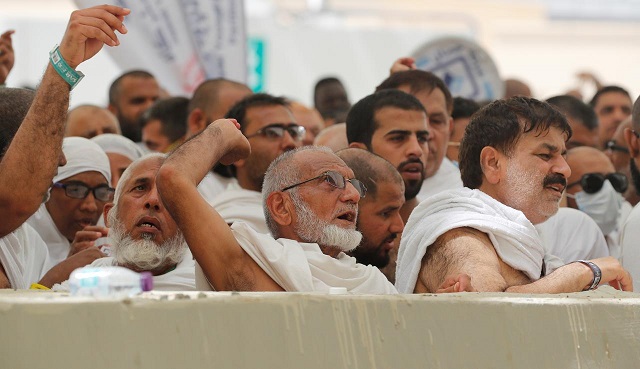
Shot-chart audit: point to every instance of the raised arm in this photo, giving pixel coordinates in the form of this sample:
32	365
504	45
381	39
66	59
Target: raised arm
226	265
30	162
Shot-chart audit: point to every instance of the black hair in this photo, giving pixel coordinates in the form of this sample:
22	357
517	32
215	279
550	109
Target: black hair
607	89
239	110
370	169
500	125
14	105
418	81
361	122
324	81
115	85
575	109
463	107
172	114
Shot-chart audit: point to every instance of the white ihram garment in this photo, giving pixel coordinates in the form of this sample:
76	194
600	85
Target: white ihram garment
82	156
446	178
303	267
24	257
57	244
513	236
213	185
182	278
630	245
239	205
572	235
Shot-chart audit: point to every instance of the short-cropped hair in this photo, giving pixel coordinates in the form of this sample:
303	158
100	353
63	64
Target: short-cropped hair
360	121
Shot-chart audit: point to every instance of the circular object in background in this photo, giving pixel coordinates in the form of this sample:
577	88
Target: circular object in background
466	68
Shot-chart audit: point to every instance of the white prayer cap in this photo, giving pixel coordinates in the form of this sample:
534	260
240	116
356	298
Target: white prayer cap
83	156
117	144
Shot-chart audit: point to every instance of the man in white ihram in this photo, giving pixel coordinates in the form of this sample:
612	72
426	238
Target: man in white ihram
143	236
63	220
311	204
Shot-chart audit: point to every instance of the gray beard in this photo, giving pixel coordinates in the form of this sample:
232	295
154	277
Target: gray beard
313	230
145	254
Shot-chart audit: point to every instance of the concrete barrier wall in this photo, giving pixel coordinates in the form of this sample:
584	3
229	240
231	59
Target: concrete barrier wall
283	330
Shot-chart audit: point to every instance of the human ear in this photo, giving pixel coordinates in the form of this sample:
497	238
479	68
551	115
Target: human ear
632	143
280	208
358	145
491	163
105	213
239	163
196	122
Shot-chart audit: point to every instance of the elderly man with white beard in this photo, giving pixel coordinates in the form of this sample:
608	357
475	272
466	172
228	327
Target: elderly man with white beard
310	199
143	235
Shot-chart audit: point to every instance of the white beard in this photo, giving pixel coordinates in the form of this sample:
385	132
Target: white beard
145	254
314	230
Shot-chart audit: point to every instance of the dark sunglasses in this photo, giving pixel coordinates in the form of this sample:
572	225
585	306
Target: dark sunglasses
276	131
613	146
101	192
592	182
336	180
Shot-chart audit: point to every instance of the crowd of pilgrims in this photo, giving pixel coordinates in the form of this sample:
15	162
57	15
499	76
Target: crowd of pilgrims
407	190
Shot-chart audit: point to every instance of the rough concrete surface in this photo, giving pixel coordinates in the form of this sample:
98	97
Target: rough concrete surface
599	329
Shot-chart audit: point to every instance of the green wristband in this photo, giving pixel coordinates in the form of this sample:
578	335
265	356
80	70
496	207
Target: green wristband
70	75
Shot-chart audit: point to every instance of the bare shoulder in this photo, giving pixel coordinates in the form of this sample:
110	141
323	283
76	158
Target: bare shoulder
457	245
461	250
462	235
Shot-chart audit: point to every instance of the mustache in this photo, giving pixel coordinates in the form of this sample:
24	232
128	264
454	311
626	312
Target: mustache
346	207
555	179
391	237
410	161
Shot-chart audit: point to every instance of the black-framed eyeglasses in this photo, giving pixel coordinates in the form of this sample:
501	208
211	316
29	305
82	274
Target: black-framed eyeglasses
592	182
613	146
336	180
101	192
276	131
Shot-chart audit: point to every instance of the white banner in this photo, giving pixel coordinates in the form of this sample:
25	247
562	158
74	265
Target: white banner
183	42
218	32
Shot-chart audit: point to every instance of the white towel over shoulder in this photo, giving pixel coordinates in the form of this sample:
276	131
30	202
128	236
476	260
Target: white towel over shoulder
303	267
512	235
